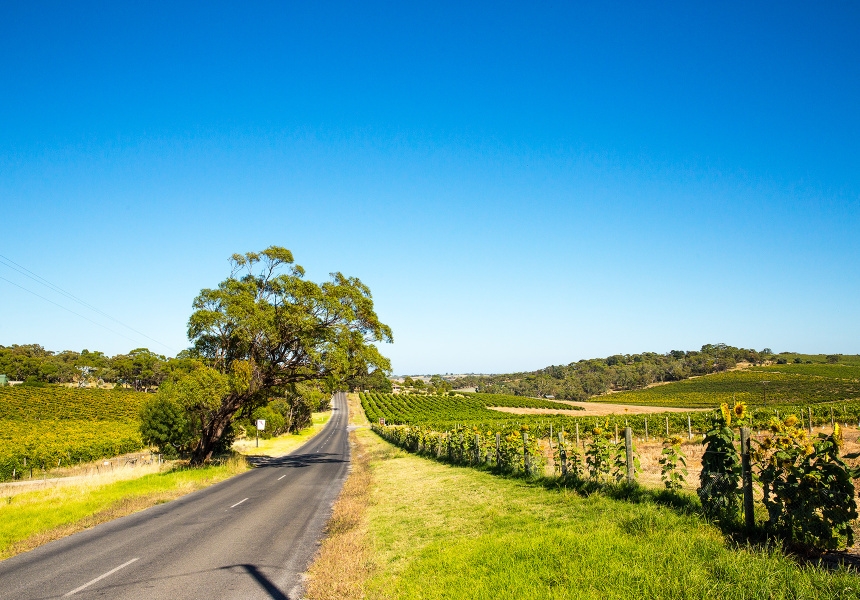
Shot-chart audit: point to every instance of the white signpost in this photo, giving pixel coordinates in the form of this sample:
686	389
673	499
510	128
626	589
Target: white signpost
261	425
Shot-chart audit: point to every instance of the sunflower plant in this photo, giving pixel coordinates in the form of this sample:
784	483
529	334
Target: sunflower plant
808	488
673	464
598	454
719	482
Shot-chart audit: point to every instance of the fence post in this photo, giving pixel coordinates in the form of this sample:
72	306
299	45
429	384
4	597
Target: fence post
746	468
477	448
498	448
577	434
616	433
810	419
450	449
646	430
562	454
628	449
689	428
460	456
526	464
831	418
667	426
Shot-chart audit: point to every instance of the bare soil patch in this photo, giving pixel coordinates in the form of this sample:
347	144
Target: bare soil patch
593	409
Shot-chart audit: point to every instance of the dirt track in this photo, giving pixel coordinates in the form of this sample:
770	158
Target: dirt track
593	409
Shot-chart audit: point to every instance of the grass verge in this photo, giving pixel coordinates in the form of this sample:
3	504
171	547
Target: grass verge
33	518
424	530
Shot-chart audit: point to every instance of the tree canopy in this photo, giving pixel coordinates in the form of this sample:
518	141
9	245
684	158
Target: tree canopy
266	329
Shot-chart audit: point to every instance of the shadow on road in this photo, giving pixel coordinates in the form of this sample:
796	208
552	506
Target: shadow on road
263	581
296	460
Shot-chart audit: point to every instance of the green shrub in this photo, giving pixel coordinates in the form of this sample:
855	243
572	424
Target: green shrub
163	424
808	489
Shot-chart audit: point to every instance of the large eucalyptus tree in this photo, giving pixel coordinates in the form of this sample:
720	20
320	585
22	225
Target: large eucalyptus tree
265	328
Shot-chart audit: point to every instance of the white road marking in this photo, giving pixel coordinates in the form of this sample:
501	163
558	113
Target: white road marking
281	477
238	503
99	578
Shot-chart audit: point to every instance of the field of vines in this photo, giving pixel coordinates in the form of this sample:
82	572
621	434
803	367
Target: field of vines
445	413
43	427
438	410
787	385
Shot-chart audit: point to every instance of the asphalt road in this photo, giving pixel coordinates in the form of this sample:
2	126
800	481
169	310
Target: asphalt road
251	536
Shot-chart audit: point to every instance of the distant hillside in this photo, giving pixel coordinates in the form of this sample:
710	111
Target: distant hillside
625	372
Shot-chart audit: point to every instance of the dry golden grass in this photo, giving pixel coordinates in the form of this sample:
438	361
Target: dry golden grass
344	559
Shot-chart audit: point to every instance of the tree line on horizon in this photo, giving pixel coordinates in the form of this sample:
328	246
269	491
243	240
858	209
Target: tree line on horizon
620	372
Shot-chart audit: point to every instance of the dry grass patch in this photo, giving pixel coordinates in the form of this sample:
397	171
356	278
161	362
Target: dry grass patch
344	560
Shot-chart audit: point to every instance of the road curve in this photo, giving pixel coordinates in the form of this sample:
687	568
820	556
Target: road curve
251	536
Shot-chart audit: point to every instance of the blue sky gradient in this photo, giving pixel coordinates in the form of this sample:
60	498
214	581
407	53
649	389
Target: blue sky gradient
518	185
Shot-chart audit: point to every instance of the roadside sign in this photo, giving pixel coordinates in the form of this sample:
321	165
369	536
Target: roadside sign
261	424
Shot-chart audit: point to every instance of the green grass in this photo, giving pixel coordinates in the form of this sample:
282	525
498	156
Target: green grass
31	518
442	532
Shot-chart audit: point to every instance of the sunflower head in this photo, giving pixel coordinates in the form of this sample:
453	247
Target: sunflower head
740	410
727	414
524	427
837	435
791	421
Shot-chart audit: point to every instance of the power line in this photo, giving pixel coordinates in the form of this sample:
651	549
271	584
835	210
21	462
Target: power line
41	280
68	309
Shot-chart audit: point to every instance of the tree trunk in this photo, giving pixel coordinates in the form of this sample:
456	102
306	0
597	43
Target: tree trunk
213	431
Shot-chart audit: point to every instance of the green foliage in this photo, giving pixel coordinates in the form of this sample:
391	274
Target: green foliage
163	424
673	464
790	385
445	412
41	426
269	329
808	489
588	378
141	368
598	454
719	487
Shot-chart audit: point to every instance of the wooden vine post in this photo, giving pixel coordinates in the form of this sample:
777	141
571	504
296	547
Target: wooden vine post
746	478
562	454
498	448
526	464
628	449
646	429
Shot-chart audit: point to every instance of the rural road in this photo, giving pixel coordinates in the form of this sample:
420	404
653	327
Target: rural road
251	536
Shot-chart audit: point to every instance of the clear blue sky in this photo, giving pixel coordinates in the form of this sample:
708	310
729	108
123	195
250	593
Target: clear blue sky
519	184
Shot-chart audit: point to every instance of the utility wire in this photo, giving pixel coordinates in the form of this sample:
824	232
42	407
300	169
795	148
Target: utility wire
41	280
68	309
